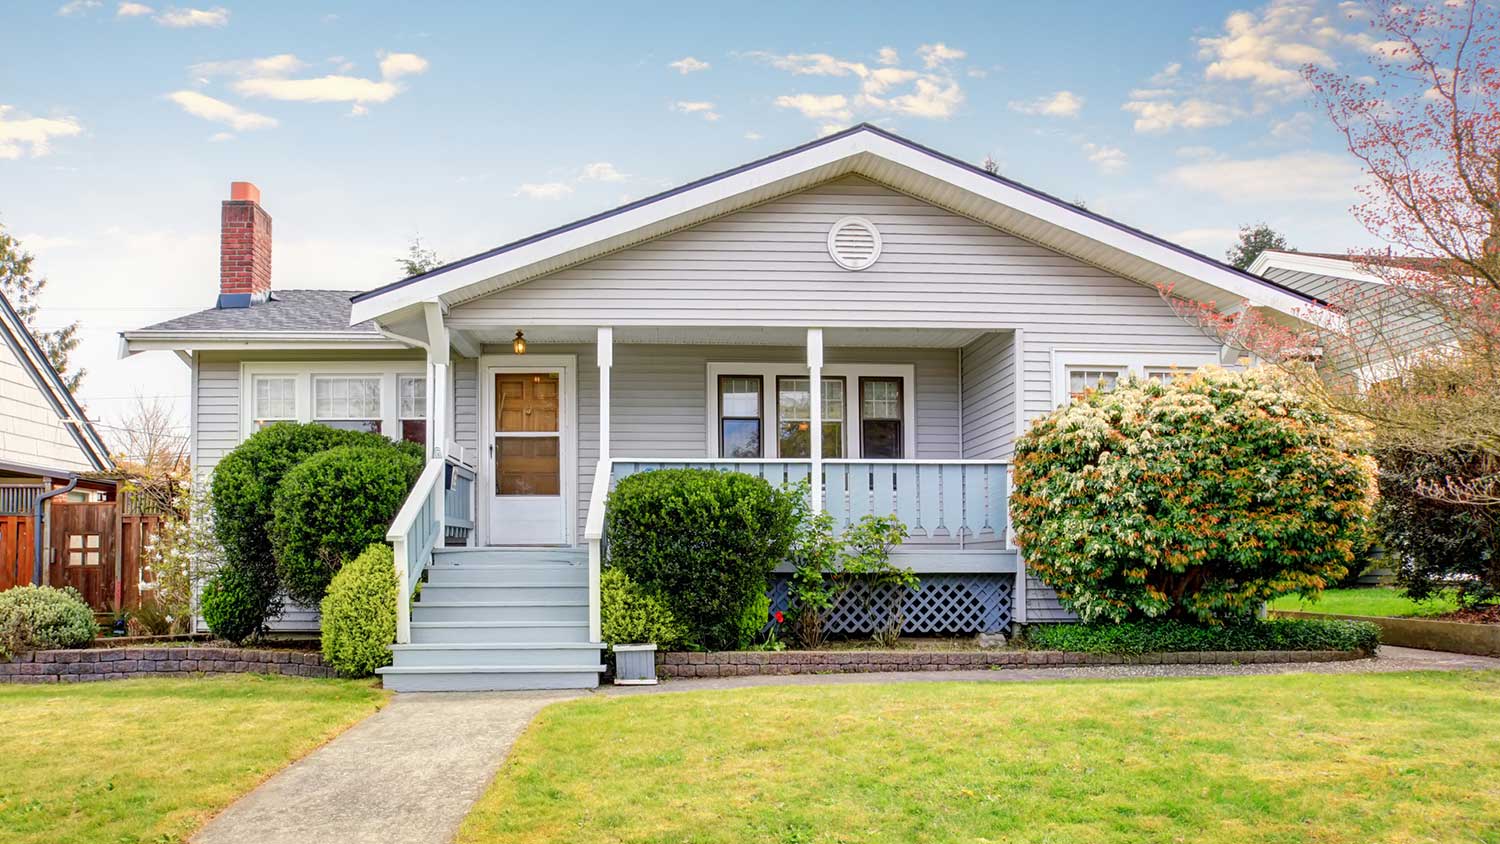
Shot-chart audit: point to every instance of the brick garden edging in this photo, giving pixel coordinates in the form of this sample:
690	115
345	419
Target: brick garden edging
745	663
72	666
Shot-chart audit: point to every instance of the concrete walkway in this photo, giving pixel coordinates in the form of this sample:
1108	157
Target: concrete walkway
409	774
406	775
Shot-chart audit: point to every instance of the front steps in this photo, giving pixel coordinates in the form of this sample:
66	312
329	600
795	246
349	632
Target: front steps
491	619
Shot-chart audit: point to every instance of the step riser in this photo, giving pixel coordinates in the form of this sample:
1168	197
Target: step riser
473	556
529	575
500	657
497	592
498	635
477	682
483	614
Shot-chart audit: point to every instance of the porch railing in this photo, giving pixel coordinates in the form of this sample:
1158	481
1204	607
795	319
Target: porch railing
443	492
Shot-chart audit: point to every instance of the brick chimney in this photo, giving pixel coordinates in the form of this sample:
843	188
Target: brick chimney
244	248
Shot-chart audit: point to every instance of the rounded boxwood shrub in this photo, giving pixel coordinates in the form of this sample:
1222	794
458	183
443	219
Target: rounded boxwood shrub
42	618
1199	499
332	506
704	540
359	613
631	615
238	602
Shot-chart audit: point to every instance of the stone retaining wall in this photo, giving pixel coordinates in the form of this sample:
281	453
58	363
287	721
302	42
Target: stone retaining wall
73	666
1428	634
743	663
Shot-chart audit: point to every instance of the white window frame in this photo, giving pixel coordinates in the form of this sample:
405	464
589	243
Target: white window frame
305	371
850	372
1131	363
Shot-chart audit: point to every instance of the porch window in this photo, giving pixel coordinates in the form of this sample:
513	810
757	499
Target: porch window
881	412
1083	379
1165	374
351	403
740	415
794	417
275	399
412	390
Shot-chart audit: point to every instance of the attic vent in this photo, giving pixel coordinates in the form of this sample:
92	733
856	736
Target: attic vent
854	243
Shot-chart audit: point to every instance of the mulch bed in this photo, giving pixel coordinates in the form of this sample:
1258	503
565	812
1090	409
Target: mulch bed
1484	615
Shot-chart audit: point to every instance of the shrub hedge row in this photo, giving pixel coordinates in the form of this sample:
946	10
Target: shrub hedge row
1167	636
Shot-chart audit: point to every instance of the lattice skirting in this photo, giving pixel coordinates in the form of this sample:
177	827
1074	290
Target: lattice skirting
945	604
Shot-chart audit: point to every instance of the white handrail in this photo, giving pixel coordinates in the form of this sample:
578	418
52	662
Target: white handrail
593	533
417	528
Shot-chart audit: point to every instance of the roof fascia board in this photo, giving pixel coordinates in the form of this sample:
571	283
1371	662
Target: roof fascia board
134	342
1296	262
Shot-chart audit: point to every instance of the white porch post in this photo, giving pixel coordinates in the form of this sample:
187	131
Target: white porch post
602	473
439	354
1018	363
815	436
606	360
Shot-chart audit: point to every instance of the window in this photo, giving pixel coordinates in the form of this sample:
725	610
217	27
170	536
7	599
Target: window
881	412
412	390
83	549
1083	379
275	399
794	416
348	402
740	415
1164	374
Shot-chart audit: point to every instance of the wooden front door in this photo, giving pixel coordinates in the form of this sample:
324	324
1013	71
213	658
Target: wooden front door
83	550
527	457
16	549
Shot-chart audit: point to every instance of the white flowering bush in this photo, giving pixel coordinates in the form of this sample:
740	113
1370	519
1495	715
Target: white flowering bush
1198	499
182	552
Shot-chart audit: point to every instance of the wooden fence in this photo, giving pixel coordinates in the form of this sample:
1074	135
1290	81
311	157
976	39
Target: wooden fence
93	547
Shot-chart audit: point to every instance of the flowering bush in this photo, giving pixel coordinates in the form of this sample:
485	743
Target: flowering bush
40	617
1199	500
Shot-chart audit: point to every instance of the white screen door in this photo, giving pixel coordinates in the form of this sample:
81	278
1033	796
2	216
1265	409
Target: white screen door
527	458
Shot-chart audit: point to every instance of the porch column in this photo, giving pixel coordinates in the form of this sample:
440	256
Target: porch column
815	415
439	353
606	360
1018	369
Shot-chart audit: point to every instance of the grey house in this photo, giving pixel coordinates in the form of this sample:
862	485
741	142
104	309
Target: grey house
912	310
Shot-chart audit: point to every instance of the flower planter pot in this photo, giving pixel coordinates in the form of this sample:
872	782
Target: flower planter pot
635	665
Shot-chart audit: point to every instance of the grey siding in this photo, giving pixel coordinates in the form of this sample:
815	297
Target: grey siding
1042	605
466	405
989	396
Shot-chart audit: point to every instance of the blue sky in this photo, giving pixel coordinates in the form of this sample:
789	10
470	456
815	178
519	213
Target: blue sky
364	124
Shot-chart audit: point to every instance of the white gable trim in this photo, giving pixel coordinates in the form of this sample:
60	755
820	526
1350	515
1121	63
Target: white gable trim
69	413
1315	264
859	150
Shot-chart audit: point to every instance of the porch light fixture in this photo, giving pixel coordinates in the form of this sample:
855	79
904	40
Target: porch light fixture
519	344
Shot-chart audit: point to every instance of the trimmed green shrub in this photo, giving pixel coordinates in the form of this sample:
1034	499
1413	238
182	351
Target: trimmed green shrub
42	618
1199	499
706	541
238	602
1167	636
631	615
332	506
359	613
1434	543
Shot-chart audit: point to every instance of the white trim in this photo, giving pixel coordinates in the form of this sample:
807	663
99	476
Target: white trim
305	370
857	151
135	342
567	367
1134	363
850	372
838	225
1317	265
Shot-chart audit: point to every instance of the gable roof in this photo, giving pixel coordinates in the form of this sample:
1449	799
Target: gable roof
34	362
289	318
874	153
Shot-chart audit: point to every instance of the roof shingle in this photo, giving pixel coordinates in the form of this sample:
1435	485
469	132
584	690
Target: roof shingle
286	310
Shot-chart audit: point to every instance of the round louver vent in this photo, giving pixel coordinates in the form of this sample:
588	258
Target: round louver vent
854	243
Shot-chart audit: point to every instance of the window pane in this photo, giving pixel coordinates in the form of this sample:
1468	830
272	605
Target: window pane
346	398
881	418
1165	374
413	391
882	399
1080	380
414	430
739	396
275	398
527	466
792	440
833	399
833	439
371	426
739	438
792	398
882	438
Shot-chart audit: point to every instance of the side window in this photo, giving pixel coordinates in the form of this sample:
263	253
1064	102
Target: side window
275	399
413	410
348	402
881	418
1082	379
740	427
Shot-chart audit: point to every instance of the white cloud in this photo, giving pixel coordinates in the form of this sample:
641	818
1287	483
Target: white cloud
818	107
78	7
1198	153
1267	48
218	111
813	64
132	10
702	108
1293	128
889	56
31	137
1107	158
277	65
752	136
688	64
934	55
934	97
1166	75
397	65
601	171
545	190
1061	104
220	137
1153	115
1289	177
44	243
185	18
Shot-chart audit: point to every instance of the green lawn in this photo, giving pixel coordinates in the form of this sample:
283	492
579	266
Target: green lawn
1292	758
151	760
1380	600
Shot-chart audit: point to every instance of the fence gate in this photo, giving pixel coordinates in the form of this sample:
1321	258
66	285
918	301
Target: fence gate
16	549
84	538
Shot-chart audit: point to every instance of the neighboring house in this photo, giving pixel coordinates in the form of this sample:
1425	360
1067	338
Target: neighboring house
932	307
46	444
